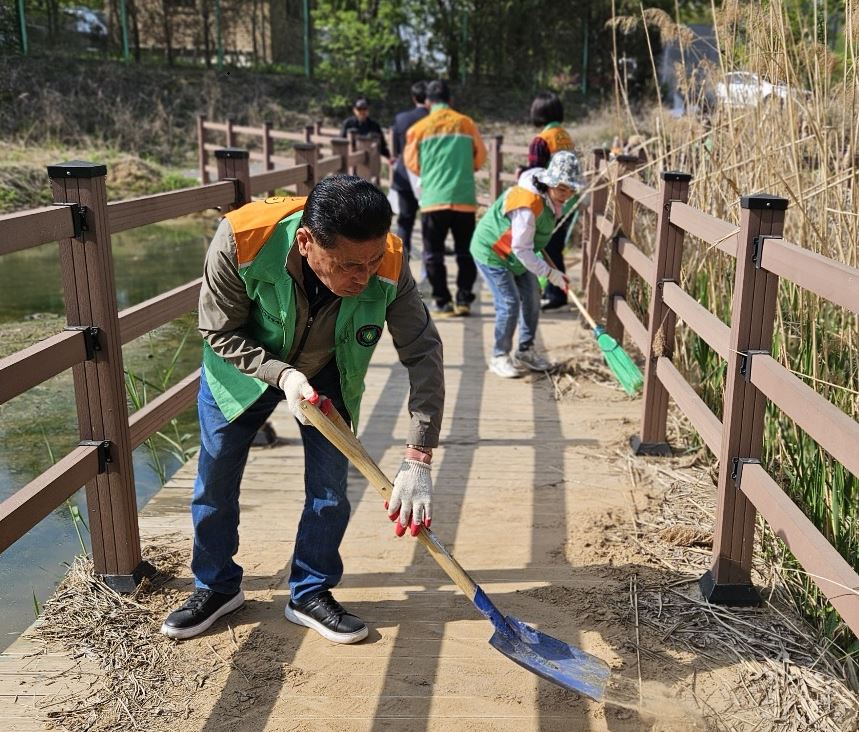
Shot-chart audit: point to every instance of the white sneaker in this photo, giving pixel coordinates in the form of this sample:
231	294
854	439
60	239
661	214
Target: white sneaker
532	360
504	367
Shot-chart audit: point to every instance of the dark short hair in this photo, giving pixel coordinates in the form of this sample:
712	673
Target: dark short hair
546	108
419	91
438	91
347	206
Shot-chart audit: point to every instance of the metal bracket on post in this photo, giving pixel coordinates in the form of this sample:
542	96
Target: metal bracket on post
758	248
78	212
103	452
737	464
746	363
91	338
237	187
125	584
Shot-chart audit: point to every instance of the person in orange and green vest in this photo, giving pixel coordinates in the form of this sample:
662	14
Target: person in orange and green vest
547	112
442	152
294	298
506	246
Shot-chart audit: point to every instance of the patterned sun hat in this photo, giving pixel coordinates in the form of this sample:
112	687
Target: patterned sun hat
564	169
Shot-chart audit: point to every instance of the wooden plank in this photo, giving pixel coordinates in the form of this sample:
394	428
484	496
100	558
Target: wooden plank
32	228
605	227
215	126
30	367
280	178
637	259
835	577
143	317
24	509
124	215
292	136
632	325
836	282
702	419
245	130
717	233
258	156
284	161
211	147
326	166
151	418
715	333
834	431
514	149
331	131
641	193
601	275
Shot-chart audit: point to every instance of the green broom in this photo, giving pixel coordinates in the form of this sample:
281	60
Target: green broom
618	360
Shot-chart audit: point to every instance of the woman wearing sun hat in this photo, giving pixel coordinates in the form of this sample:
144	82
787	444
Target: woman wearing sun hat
506	247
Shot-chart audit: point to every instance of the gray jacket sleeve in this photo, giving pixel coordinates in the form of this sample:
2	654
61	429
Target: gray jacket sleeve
419	347
224	310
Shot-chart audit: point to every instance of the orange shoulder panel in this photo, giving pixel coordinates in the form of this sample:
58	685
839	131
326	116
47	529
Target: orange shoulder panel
392	262
557	139
518	197
254	222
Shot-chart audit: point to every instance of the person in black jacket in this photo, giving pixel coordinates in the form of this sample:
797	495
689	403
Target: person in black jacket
360	120
407	203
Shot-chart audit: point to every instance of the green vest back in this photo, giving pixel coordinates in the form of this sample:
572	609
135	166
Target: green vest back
491	242
272	323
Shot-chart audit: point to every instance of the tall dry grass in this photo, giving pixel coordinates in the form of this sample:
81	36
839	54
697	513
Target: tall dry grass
805	149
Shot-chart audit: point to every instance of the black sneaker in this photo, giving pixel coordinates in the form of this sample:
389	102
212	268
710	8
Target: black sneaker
200	610
328	618
444	309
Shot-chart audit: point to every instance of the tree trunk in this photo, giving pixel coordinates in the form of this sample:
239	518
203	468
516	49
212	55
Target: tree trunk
167	31
131	8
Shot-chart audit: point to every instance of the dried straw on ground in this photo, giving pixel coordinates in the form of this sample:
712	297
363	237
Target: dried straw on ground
146	683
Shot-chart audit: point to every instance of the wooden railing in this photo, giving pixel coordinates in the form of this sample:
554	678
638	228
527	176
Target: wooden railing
264	138
82	220
753	376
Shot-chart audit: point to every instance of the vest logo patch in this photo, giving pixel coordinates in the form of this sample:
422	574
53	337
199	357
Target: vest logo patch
368	335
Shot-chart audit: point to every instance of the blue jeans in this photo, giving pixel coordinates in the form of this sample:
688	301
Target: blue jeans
517	297
224	447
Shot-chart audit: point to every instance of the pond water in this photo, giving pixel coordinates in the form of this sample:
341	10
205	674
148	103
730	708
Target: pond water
42	424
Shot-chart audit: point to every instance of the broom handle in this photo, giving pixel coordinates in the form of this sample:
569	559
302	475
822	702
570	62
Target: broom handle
340	435
571	296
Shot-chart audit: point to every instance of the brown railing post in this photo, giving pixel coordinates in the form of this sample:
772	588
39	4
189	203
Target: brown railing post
202	155
86	264
230	134
373	163
267	149
496	165
753	311
234	164
666	268
618	272
317	126
364	169
340	146
352	136
308	133
599	199
306	153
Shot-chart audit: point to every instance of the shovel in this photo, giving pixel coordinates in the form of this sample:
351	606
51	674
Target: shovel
548	657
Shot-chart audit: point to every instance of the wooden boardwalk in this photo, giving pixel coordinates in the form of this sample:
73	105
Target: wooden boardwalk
514	471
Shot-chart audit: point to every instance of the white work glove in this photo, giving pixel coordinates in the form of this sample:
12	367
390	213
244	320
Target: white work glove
297	388
412	497
558	279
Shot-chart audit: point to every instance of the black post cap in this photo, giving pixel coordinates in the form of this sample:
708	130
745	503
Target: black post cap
309	145
628	159
675	176
232	153
764	201
77	169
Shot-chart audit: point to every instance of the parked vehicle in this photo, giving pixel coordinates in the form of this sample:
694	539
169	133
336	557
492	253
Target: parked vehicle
747	89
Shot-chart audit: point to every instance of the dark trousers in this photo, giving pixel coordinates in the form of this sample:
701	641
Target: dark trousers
555	250
408	206
435	226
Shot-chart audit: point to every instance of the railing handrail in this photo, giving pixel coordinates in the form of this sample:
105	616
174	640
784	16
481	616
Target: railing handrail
770	257
83	226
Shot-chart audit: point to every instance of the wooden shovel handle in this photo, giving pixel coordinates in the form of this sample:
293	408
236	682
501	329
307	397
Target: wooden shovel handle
571	297
338	432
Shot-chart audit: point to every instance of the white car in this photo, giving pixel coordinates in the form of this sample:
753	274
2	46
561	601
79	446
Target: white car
746	89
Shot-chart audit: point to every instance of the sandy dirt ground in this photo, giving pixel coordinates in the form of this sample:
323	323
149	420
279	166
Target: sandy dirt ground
535	494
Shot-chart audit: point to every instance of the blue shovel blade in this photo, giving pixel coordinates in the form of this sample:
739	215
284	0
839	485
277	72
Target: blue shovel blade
551	658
